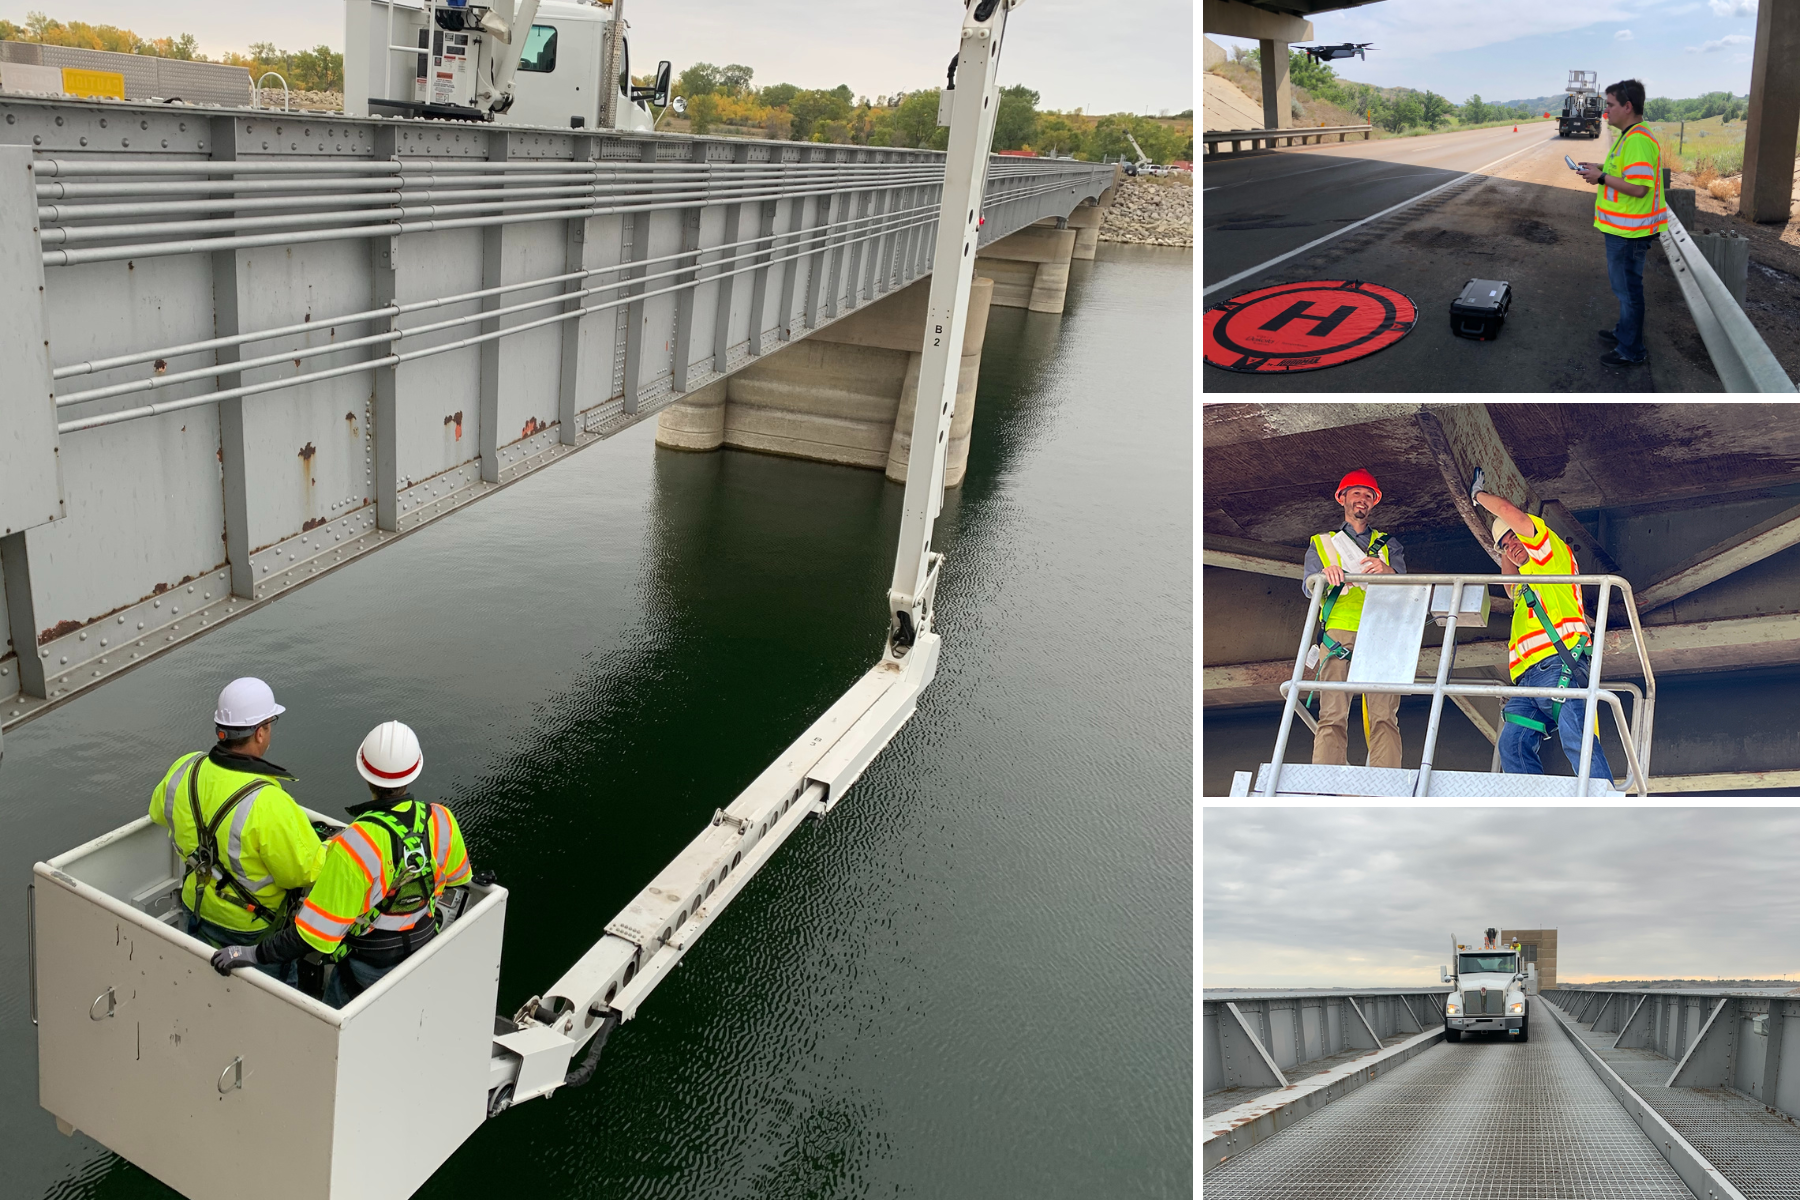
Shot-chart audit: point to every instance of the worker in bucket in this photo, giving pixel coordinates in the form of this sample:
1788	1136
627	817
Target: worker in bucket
248	849
1339	615
376	899
1551	645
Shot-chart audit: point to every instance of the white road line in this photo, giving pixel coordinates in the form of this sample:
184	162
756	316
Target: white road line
1242	275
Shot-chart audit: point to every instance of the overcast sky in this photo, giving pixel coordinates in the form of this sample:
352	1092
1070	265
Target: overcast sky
1369	897
1519	49
1136	57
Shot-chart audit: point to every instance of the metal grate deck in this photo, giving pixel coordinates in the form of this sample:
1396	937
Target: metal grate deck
1751	1146
1479	1120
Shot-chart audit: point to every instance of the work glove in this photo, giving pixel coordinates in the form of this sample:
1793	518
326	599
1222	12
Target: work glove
1477	485
227	959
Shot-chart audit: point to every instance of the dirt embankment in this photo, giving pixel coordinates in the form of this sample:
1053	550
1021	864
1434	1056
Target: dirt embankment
1156	210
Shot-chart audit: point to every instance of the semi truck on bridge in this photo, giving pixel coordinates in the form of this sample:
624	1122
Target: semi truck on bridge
1489	995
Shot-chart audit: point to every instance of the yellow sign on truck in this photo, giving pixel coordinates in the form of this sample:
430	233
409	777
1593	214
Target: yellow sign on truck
78	81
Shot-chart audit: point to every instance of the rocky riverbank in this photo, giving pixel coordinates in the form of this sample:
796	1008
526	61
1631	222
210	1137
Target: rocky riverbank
1157	210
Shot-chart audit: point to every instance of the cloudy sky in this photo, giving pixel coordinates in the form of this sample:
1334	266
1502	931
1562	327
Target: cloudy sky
1136	57
1518	49
1369	897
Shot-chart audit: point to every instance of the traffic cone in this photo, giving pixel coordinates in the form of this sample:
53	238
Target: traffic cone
1515	129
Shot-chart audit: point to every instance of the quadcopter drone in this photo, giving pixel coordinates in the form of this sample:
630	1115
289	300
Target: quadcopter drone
1321	53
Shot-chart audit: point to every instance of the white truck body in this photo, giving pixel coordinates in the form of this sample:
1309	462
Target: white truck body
561	80
1491	985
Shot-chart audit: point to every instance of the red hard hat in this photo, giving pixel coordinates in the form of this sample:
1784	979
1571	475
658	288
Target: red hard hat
1359	478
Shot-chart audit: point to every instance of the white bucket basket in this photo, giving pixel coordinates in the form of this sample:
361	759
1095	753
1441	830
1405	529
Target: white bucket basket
146	1049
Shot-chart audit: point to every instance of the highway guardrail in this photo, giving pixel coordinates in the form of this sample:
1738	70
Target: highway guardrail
1261	139
1739	354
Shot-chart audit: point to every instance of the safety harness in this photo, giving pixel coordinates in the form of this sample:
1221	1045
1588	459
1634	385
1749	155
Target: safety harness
1571	662
205	861
1332	647
413	887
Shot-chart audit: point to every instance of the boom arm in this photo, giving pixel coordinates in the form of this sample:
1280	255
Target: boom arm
646	941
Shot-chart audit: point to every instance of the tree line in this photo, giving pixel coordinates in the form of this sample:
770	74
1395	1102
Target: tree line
320	69
724	99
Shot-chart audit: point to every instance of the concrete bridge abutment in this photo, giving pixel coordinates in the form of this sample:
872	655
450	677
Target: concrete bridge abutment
844	394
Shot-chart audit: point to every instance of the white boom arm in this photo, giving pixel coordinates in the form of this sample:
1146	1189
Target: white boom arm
507	23
645	941
1143	159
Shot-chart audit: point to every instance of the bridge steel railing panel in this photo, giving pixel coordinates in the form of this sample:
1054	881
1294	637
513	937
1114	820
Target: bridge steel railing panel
279	341
1713	1039
1294	1029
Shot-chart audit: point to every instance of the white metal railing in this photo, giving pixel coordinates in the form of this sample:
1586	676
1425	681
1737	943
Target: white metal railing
1634	734
1743	360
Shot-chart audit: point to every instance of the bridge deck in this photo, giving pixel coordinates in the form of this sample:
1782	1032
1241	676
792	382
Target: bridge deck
1751	1146
1219	1100
1475	1119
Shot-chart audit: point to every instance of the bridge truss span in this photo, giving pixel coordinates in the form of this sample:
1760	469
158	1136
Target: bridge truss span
271	343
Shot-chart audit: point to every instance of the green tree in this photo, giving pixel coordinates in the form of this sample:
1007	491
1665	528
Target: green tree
1434	110
1056	134
777	95
1659	108
915	121
1474	110
812	108
703	112
1316	77
1015	124
697	80
735	78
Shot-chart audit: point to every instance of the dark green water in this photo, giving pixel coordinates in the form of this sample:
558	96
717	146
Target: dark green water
973	980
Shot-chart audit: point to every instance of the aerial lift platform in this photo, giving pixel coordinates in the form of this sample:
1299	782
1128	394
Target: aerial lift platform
143	1047
1389	639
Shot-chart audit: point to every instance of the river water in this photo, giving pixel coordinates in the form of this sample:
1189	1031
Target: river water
973	980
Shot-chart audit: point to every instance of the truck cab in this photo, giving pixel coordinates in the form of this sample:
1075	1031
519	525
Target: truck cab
1490	989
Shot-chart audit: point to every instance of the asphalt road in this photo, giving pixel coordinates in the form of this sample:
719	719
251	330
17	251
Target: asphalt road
1526	219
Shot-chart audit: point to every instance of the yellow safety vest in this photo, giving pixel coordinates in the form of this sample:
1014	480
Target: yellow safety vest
1635	157
1530	645
1346	613
266	841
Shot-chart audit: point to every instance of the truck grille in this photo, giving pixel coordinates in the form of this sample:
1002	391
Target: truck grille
1496	1003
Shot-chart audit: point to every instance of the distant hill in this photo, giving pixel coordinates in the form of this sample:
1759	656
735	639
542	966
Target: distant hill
1536	103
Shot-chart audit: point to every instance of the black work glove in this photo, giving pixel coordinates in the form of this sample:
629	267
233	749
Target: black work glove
1477	486
227	959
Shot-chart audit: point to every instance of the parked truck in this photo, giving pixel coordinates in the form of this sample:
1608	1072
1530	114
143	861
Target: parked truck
1490	989
1583	108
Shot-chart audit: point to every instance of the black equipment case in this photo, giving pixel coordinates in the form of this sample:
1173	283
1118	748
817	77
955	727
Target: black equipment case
1481	309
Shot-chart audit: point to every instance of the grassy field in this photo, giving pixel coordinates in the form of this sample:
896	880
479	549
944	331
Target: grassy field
1712	143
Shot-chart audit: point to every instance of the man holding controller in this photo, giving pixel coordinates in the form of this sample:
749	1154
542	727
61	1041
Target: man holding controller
1629	210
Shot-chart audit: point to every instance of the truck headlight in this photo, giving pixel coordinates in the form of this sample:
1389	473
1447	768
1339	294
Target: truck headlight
1452	1008
1518	1006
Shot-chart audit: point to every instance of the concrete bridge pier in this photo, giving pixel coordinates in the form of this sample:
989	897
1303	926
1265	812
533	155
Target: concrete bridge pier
845	394
1030	269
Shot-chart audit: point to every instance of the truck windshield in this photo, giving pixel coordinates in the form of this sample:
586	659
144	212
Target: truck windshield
1470	964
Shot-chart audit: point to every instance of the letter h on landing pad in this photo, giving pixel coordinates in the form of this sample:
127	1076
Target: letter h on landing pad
1301	310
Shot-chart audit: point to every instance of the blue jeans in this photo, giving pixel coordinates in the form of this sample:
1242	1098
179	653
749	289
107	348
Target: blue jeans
1521	747
337	994
218	935
1625	269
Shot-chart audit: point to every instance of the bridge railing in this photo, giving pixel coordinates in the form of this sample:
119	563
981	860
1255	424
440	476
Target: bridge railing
277	341
1258	1039
1635	734
1743	360
1265	138
1715	1038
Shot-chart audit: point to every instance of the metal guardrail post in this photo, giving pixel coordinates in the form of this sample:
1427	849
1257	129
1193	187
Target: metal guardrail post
1590	714
1423	785
1317	587
1739	354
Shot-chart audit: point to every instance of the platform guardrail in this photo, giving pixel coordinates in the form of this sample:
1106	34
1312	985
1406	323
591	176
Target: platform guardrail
1634	734
1261	139
1740	356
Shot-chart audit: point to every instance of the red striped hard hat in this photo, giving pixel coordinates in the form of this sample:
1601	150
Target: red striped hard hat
1359	478
390	756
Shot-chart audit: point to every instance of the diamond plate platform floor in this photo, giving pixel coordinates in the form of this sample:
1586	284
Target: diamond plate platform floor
1219	1101
1479	1120
1751	1146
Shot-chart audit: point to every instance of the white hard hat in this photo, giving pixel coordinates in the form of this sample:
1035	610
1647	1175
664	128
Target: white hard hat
1500	529
246	703
390	756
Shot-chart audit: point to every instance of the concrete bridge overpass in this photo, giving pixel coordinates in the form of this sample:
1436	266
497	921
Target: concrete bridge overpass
1640	1093
1695	504
249	347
